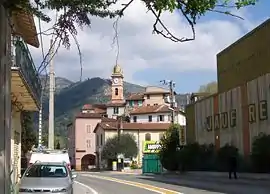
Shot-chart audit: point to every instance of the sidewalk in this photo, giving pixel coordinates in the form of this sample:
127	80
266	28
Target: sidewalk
212	177
224	175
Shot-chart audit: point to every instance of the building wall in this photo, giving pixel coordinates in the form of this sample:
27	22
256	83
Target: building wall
235	64
234	117
84	131
110	111
154	99
15	145
139	138
190	123
144	118
134	103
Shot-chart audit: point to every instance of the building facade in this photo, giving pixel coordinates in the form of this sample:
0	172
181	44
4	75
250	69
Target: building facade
21	86
235	64
239	111
141	131
149	115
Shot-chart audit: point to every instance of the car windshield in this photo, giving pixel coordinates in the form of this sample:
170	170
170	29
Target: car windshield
39	170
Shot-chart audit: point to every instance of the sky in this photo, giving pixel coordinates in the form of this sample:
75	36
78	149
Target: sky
147	58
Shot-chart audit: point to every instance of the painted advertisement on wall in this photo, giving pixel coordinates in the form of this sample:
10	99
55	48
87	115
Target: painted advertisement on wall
151	147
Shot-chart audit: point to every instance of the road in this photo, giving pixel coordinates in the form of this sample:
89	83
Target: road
108	183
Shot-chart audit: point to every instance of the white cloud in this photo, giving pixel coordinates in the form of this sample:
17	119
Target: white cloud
140	49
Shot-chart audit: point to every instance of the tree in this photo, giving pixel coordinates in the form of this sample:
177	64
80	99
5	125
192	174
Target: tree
28	136
169	148
209	88
76	13
125	144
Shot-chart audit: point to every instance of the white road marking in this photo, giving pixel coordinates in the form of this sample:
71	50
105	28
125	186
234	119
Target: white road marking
93	191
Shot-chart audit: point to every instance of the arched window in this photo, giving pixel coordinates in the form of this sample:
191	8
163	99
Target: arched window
161	135
147	137
116	91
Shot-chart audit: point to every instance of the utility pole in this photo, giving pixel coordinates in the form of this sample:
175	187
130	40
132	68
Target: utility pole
5	101
40	120
172	97
51	100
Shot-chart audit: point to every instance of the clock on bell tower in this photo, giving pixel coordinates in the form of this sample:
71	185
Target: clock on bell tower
117	84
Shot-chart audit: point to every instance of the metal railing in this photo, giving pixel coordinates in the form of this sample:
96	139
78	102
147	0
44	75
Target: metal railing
24	61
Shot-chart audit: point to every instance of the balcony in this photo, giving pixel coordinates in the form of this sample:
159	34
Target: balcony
25	83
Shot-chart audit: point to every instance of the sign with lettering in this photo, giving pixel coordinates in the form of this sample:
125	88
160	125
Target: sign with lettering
221	120
182	136
151	147
256	112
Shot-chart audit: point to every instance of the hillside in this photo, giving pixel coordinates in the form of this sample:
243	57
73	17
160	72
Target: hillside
70	97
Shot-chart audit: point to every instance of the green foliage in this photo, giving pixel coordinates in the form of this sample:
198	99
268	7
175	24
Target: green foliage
260	156
77	12
124	144
211	88
169	148
28	136
134	165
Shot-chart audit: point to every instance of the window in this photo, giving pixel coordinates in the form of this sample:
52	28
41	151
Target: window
130	103
169	118
160	118
115	110
150	118
88	143
101	139
147	137
88	128
135	119
116	91
155	104
148	104
48	171
148	96
97	138
161	135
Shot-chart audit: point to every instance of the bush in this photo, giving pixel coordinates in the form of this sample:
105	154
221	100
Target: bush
134	165
260	154
169	145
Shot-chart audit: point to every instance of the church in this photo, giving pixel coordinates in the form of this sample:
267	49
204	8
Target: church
149	117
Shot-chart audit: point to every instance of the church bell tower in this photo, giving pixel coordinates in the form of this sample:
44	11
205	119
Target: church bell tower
117	85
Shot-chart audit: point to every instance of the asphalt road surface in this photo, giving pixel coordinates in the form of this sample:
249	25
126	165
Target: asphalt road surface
108	183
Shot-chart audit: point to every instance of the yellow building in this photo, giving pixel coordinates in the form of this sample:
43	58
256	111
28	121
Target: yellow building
141	131
244	60
238	112
25	83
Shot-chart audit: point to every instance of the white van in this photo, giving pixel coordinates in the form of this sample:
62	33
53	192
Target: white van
50	156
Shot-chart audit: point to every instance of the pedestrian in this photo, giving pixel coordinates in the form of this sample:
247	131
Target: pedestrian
233	167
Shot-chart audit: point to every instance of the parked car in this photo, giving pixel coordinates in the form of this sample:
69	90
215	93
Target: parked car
47	177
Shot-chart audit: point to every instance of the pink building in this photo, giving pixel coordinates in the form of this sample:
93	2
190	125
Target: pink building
81	136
